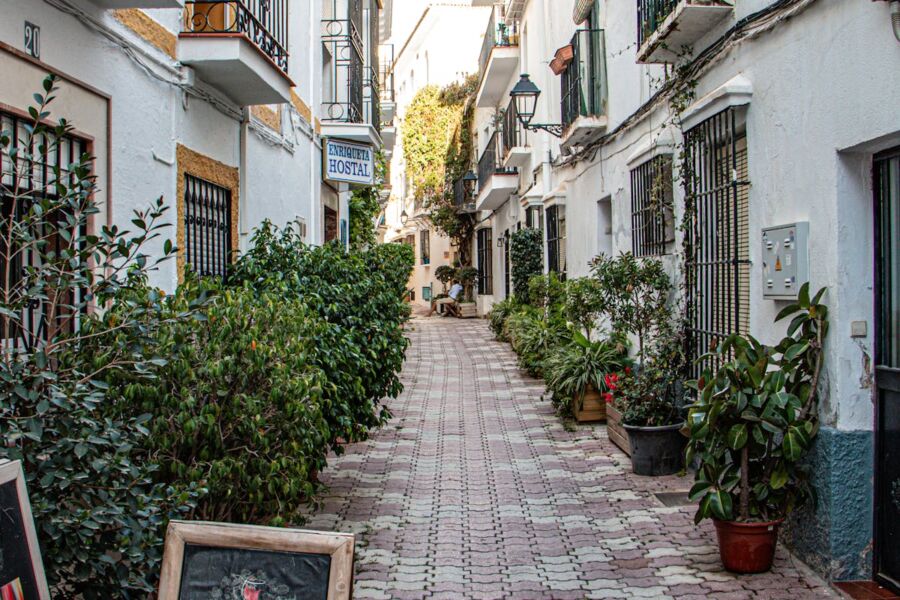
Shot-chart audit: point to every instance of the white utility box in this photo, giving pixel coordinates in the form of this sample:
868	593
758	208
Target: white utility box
785	251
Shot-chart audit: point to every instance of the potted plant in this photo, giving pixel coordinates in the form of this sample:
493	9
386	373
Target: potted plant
467	277
445	274
578	374
753	421
634	293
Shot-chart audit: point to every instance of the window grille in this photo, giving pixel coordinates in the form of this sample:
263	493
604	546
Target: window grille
425	246
207	226
652	221
556	240
485	262
717	257
22	183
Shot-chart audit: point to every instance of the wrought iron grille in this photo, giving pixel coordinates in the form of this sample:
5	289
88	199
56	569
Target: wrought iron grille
207	227
717	258
485	262
514	135
652	221
501	33
489	163
584	80
343	44
264	22
22	183
386	72
650	14
556	239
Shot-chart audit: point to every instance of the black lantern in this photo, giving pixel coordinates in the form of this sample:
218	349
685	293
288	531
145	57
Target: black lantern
404	217
525	93
469	181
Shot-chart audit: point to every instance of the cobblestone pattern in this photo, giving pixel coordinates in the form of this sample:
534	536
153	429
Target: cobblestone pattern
475	489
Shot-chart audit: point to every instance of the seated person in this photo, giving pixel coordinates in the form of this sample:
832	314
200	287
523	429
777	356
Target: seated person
451	302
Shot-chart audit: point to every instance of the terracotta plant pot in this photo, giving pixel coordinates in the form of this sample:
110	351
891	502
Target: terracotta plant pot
616	430
747	547
593	407
656	450
566	53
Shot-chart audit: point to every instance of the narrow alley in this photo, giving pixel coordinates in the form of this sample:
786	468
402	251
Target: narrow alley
476	489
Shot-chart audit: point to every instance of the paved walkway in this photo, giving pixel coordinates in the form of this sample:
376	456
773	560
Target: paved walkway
476	489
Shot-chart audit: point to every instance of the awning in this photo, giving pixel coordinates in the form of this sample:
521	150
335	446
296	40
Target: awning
582	11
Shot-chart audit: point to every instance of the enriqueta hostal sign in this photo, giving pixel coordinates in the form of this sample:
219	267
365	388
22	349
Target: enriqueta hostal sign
348	162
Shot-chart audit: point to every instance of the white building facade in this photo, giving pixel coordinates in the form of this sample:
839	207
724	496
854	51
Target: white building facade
222	108
788	141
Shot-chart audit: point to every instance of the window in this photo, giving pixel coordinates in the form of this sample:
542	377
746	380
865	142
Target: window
717	256
21	184
207	226
425	246
534	217
485	262
556	240
426	293
331	224
652	221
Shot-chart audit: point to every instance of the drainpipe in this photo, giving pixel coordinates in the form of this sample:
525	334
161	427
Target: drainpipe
895	18
242	175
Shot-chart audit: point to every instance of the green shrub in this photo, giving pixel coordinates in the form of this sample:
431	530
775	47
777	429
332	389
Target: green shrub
526	252
500	313
582	303
534	338
547	292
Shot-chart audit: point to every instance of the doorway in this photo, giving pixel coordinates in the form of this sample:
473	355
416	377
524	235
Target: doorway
886	183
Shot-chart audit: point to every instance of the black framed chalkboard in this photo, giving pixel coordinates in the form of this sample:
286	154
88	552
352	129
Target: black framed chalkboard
21	571
228	573
218	561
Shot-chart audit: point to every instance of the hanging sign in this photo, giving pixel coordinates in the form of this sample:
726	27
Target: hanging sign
21	569
246	562
348	162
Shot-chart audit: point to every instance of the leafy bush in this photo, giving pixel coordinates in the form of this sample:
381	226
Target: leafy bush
547	292
500	313
582	303
526	252
445	274
534	338
580	365
756	417
99	514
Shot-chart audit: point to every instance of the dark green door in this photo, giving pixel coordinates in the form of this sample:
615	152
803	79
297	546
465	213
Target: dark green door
887	367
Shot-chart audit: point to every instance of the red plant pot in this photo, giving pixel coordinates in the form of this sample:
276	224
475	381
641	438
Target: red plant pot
747	547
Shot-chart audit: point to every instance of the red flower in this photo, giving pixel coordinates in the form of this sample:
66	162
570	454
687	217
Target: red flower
608	397
251	593
628	370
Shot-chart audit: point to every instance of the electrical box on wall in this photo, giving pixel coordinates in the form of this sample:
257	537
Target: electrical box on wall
785	251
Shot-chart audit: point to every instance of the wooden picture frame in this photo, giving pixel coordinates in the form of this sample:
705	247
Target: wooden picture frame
11	472
182	535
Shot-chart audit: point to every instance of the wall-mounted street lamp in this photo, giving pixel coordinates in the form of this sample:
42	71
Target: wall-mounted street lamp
469	181
404	217
526	93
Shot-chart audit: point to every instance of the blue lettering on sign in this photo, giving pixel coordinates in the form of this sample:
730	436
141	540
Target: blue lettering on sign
350	161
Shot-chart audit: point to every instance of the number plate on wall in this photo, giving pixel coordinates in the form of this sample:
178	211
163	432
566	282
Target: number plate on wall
32	40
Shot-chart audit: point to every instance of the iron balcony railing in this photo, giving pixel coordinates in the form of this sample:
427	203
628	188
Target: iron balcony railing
500	32
514	135
345	80
386	72
373	98
263	22
650	14
489	164
584	80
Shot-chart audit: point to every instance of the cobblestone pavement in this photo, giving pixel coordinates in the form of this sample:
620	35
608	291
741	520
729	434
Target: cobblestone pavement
475	489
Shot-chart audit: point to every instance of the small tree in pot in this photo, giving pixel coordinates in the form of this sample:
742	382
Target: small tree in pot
445	274
634	293
754	419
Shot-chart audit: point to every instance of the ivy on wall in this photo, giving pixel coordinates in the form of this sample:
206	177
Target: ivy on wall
365	205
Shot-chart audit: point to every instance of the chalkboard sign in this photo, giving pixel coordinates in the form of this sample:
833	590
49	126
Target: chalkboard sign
21	569
243	562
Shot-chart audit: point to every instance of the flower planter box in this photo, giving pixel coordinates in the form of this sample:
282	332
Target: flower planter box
616	430
593	407
562	59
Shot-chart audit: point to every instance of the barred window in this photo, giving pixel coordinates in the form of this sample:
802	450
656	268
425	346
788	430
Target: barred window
556	240
652	220
207	226
485	262
425	246
22	183
717	257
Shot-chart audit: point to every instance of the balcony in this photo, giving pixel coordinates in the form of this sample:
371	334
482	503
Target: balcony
499	59
117	4
239	47
668	29
584	90
516	148
462	200
351	108
496	183
386	77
